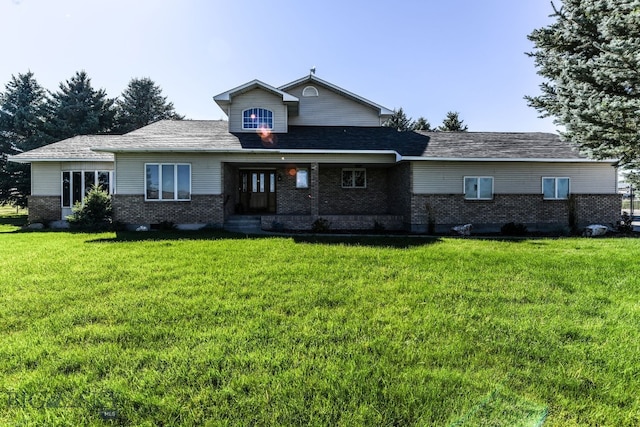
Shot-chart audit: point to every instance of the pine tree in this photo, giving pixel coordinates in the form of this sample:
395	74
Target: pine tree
142	103
22	122
589	59
78	109
399	121
422	124
452	123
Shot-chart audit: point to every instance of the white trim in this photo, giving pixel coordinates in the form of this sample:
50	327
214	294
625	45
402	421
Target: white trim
175	182
313	92
555	187
478	178
82	173
258	110
505	159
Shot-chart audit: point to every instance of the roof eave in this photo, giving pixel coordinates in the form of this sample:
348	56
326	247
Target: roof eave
508	159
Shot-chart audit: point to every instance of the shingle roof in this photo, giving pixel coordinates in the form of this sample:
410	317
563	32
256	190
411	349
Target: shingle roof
213	135
77	148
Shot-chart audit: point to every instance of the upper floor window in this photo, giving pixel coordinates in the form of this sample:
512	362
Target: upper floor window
257	118
555	188
309	91
478	187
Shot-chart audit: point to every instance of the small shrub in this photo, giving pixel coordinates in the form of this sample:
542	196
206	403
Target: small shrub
96	211
321	225
514	229
625	226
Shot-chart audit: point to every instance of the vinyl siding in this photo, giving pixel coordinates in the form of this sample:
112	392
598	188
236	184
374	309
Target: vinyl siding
513	177
86	166
205	171
257	98
46	179
331	109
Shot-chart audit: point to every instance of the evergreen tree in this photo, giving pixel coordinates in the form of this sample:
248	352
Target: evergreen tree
142	103
452	123
399	121
78	109
589	59
22	121
422	124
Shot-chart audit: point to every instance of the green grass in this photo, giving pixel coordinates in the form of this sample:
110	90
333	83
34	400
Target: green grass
218	329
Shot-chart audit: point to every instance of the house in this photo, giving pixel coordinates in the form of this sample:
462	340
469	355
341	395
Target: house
310	149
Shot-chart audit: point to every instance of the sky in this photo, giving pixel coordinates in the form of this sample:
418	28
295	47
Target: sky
426	56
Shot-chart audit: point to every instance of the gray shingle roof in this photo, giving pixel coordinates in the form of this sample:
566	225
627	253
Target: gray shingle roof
76	148
213	135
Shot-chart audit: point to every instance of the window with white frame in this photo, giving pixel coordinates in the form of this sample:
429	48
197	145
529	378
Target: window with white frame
257	118
478	187
354	178
555	188
302	178
167	181
76	185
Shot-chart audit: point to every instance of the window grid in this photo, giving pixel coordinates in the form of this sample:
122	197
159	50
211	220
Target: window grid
257	118
167	181
354	178
76	184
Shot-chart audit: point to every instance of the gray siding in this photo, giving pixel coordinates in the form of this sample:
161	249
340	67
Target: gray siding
205	171
331	109
512	177
257	98
46	179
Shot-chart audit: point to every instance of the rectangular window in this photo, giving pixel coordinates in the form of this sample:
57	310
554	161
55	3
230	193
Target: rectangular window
354	178
76	185
478	187
555	188
302	178
167	181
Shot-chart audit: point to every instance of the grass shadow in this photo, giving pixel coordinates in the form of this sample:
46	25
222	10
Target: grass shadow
402	242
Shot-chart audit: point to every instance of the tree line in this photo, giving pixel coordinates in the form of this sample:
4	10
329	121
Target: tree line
31	117
400	121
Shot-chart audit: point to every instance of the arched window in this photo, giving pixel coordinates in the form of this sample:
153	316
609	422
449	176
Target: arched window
309	91
256	118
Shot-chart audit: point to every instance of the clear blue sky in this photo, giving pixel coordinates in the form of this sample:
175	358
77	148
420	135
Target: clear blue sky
427	56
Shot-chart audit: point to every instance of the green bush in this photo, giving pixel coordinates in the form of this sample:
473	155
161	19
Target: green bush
96	211
514	229
321	225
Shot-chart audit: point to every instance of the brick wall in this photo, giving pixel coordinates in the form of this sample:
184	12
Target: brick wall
530	209
347	201
289	199
44	208
399	189
202	209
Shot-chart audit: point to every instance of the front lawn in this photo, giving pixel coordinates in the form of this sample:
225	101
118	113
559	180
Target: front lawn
219	329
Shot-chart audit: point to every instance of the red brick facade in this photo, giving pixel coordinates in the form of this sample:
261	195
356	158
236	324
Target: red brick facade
44	208
202	209
446	210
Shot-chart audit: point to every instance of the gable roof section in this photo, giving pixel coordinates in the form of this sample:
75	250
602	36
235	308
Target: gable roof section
509	146
311	78
226	98
77	148
213	136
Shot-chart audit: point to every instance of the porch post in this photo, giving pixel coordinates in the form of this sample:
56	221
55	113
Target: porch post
314	190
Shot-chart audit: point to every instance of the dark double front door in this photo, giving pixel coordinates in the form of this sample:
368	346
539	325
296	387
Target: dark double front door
258	190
